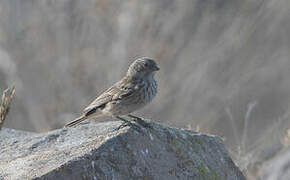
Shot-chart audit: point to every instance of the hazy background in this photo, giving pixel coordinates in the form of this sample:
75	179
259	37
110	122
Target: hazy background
225	66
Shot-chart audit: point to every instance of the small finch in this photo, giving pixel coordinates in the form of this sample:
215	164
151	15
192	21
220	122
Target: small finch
136	89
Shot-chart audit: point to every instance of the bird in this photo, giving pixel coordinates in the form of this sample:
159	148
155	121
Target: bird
135	90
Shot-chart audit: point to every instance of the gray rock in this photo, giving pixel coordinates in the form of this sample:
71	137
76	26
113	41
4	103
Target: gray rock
95	151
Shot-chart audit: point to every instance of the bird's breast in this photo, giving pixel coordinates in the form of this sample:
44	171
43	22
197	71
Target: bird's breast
149	90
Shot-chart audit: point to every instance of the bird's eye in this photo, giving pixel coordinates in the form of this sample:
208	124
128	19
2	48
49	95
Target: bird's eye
146	65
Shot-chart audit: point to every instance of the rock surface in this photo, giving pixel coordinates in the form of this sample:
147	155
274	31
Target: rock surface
95	151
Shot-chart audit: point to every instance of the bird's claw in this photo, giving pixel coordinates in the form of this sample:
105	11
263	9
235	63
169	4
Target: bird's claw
127	123
139	120
124	124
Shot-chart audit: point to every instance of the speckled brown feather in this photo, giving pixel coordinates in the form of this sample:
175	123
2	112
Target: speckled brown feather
132	92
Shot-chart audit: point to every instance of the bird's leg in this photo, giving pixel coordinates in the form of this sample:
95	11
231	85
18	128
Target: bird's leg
126	123
135	118
139	120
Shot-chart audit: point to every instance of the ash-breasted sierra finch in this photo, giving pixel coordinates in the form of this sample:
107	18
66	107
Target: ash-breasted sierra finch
135	90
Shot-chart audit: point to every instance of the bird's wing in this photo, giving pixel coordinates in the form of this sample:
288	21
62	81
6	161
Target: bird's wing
120	90
98	102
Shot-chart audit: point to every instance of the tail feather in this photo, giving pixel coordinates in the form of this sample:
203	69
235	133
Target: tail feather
76	121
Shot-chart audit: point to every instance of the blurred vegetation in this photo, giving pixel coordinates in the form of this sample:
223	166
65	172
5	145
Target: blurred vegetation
6	99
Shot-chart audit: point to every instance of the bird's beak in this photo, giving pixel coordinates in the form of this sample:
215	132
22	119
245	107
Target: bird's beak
157	68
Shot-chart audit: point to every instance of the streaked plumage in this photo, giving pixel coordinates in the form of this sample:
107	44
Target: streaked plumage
131	93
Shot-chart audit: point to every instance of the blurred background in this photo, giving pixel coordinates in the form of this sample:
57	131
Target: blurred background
225	66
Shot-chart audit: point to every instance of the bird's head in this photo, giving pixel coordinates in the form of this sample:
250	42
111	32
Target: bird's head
142	67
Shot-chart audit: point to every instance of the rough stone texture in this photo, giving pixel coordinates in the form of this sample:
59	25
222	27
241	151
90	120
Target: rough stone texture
95	151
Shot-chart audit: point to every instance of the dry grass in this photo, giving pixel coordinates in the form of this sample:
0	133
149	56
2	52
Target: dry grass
7	97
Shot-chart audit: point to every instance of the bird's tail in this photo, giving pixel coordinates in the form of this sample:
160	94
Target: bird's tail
76	121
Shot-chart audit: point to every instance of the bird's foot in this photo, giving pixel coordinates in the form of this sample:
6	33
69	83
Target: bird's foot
139	120
127	123
124	124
